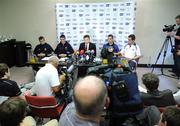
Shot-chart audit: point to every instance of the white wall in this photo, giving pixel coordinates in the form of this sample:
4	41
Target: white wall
0	18
28	19
151	16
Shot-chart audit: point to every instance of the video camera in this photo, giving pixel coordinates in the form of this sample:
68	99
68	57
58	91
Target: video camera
168	28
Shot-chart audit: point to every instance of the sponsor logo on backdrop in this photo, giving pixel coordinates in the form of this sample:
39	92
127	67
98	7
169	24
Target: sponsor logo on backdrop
86	5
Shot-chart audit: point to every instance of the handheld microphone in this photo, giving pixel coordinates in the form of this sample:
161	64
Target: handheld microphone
81	52
77	53
92	51
88	52
70	69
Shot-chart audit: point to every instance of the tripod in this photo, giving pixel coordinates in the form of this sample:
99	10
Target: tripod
164	47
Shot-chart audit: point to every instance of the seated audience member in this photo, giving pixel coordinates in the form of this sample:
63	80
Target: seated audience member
13	111
131	51
153	95
47	81
63	49
177	94
43	49
87	45
8	88
170	117
114	49
90	97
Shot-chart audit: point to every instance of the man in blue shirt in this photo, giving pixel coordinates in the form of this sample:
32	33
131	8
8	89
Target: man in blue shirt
43	49
63	49
111	46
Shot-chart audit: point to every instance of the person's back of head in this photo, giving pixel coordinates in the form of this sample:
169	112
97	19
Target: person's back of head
151	81
170	117
54	60
12	111
90	96
3	69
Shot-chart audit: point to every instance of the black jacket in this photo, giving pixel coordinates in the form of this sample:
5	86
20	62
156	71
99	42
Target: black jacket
92	46
64	49
158	98
45	48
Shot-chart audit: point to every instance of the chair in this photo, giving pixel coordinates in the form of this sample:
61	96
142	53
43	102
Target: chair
44	106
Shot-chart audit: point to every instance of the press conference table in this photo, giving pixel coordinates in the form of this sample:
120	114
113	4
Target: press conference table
80	68
41	63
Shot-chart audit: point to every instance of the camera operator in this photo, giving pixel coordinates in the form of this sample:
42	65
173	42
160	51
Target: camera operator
176	36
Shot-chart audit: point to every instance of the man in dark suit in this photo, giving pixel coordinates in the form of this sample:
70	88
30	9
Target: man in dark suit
63	49
87	45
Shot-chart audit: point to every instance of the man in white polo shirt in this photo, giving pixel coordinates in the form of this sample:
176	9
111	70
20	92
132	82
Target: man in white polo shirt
47	81
131	51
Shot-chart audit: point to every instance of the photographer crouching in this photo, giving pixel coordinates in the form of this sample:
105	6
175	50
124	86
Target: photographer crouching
176	53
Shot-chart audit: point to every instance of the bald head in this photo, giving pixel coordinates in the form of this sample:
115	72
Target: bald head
54	60
89	95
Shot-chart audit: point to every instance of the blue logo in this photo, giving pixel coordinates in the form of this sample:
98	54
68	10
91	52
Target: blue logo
121	14
127	23
67	24
66	6
107	23
114	9
128	4
120	32
107	5
101	14
86	5
61	15
87	23
80	15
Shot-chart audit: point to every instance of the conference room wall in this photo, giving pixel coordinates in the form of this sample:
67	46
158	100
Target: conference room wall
28	19
0	19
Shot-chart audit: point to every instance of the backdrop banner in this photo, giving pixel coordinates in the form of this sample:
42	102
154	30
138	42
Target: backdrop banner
97	20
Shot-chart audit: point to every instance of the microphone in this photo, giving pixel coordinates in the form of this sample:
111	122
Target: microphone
88	52
70	69
81	52
77	53
92	51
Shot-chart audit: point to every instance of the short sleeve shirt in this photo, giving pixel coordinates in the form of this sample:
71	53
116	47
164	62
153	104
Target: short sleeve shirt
46	78
130	51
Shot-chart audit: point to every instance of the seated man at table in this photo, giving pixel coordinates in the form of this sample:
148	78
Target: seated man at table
63	49
47	80
43	49
131	52
109	50
111	44
87	45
